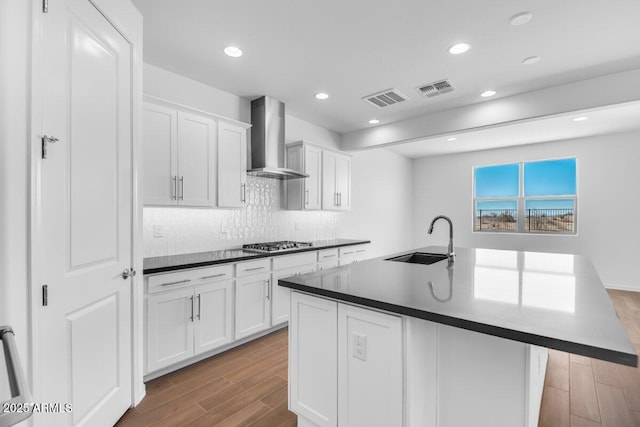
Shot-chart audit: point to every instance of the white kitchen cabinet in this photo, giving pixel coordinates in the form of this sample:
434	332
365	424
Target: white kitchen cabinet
336	181
304	193
160	139
188	313
281	301
313	360
169	328
192	158
180	154
232	165
214	315
370	368
253	306
197	154
351	254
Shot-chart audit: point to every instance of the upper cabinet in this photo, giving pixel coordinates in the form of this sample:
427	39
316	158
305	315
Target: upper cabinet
192	158
232	165
160	127
305	193
197	154
336	181
328	186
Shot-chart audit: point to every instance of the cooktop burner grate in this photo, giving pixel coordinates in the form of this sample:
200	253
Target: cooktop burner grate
285	245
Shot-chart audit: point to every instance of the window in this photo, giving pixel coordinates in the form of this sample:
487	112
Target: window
528	197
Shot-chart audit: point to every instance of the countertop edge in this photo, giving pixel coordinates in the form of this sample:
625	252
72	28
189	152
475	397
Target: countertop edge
497	331
256	255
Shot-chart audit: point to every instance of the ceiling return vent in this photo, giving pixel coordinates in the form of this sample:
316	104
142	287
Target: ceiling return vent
436	88
385	98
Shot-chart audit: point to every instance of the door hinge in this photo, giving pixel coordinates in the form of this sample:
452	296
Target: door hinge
45	6
45	295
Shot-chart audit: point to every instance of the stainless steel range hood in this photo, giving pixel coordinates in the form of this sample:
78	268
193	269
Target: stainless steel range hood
267	140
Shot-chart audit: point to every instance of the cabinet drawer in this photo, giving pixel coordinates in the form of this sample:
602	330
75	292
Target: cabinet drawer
328	255
168	281
354	251
253	267
282	262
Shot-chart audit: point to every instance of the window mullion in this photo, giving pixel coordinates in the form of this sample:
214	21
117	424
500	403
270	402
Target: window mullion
521	218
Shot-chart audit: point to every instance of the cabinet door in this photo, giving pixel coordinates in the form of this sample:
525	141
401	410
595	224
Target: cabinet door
213	315
197	158
329	192
343	182
281	296
160	136
252	304
232	165
295	187
313	185
312	359
169	328
370	368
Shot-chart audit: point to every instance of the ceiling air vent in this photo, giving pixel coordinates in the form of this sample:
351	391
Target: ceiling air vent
385	98
436	88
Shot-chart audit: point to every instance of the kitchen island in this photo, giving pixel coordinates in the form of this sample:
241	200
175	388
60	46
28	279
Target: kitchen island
385	343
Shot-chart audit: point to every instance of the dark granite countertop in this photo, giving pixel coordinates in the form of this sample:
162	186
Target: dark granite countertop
550	300
163	264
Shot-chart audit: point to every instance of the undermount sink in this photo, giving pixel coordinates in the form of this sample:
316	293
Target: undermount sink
419	258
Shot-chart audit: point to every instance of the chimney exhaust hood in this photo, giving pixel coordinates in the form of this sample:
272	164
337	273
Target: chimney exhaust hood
267	140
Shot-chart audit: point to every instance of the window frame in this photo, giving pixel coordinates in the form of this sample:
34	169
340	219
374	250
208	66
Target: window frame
521	200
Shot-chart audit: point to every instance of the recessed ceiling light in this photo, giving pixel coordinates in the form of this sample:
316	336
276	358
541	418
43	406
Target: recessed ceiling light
459	48
233	51
453	138
521	18
488	93
321	95
530	60
580	119
374	121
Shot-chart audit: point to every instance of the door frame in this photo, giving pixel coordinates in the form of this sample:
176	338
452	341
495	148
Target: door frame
127	20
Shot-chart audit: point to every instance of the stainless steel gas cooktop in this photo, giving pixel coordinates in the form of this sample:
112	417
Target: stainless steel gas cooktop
285	245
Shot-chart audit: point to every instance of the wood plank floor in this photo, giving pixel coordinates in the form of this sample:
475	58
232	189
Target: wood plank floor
247	386
580	391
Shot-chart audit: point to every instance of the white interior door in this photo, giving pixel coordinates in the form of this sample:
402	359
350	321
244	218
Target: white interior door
85	218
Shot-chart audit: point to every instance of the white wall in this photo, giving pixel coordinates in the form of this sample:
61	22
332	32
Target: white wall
381	191
15	42
608	202
379	211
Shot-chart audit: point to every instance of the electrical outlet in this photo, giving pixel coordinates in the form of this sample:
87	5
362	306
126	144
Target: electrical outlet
360	346
158	231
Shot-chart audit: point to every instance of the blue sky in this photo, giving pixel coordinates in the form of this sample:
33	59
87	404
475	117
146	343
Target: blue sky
544	178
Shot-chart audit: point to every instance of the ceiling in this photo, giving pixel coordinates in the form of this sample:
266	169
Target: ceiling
601	121
350	49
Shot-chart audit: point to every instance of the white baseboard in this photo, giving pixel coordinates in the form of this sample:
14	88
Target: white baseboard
622	287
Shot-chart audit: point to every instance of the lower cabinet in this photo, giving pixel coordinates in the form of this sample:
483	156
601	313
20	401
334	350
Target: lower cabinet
313	365
346	364
253	308
281	300
187	322
370	368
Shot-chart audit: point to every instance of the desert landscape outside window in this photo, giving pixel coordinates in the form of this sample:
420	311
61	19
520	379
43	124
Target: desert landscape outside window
527	197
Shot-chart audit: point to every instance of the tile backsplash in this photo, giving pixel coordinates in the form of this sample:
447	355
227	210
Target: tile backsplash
176	230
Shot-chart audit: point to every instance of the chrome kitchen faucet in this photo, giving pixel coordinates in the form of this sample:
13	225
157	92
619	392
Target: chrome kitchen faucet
450	253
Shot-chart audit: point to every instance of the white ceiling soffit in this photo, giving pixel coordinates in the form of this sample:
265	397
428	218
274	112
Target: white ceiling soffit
601	121
294	49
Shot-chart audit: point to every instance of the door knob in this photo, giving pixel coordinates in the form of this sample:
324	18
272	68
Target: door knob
128	273
46	140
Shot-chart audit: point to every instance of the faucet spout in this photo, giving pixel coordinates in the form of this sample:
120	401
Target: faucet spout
450	253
